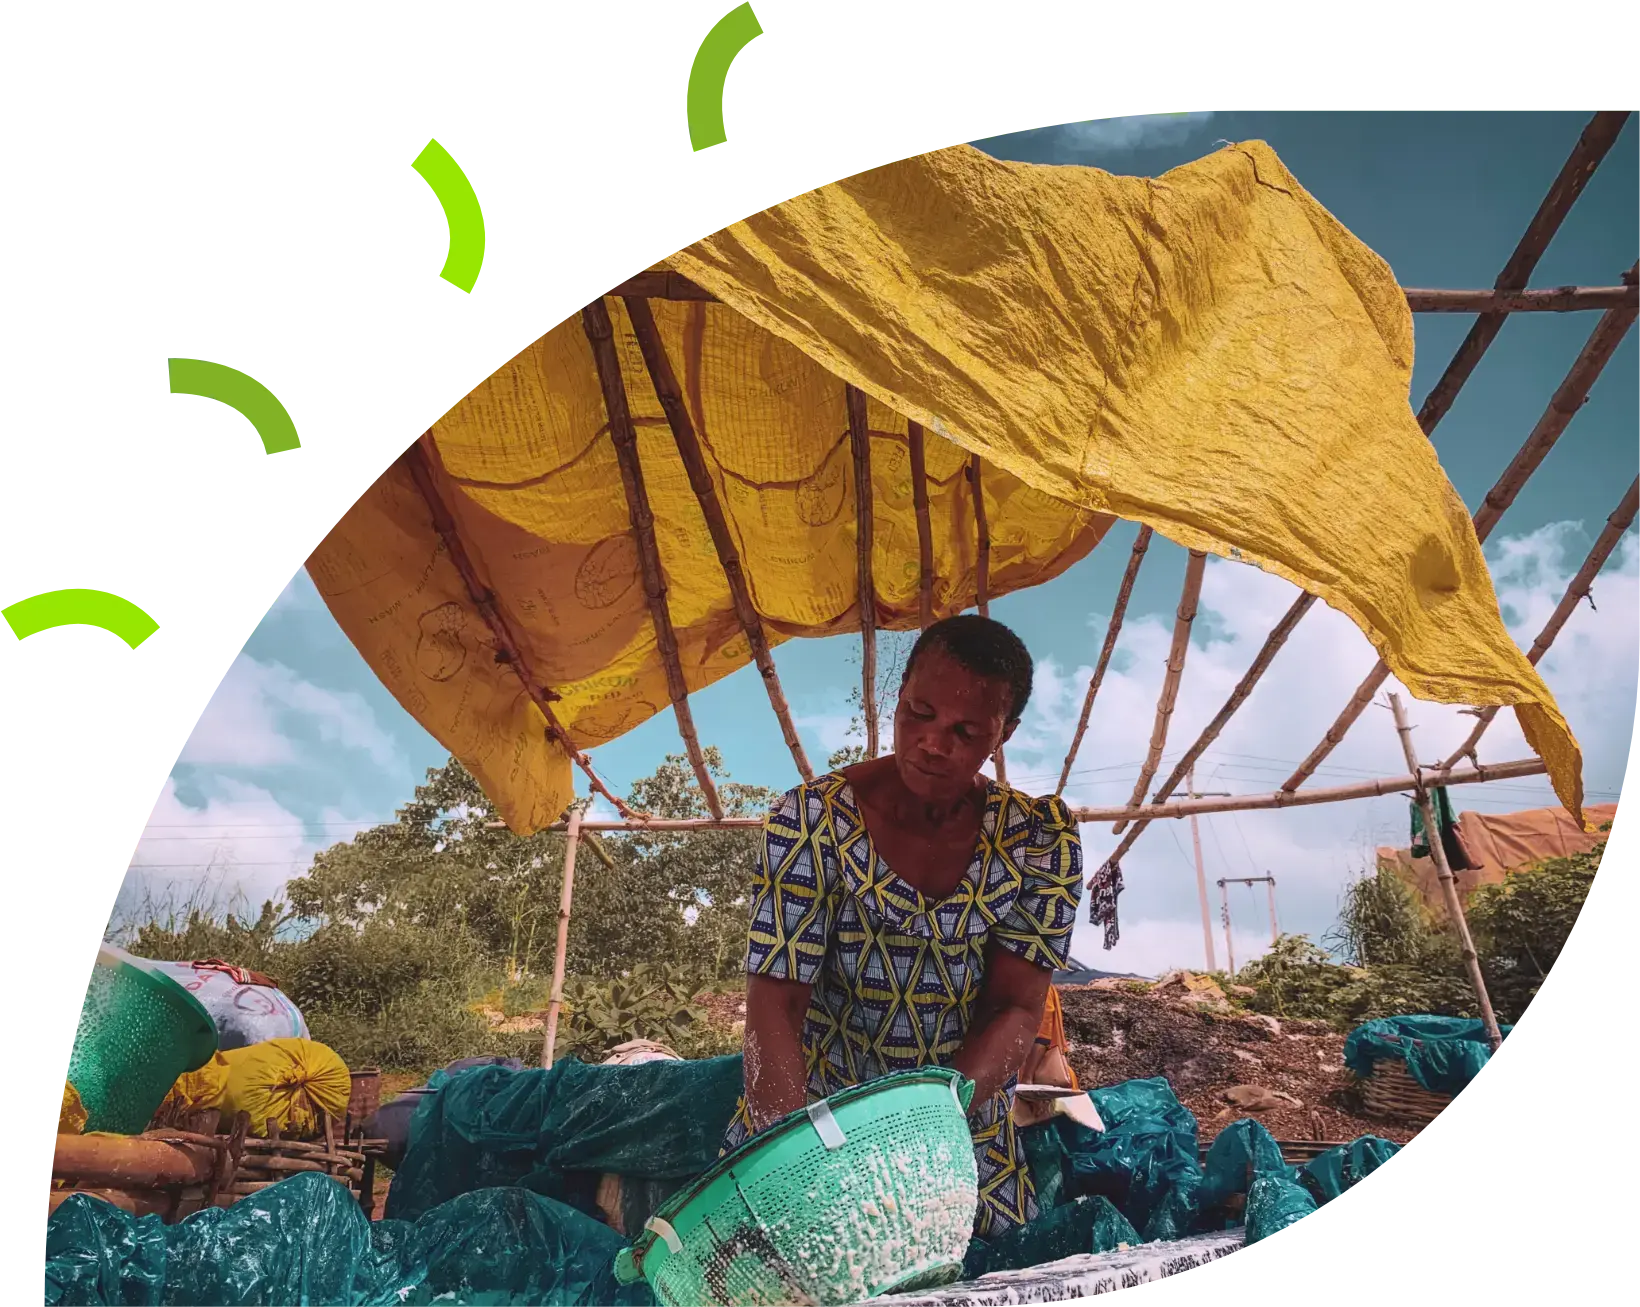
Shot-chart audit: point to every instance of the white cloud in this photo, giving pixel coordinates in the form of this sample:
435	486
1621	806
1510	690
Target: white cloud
1311	851
1102	137
234	851
250	719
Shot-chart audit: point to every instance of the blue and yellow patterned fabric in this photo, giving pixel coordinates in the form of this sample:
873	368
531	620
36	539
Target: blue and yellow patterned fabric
897	975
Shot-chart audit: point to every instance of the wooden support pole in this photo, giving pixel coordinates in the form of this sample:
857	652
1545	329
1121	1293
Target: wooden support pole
509	649
1560	299
682	424
925	531
1449	886
1201	890
860	440
1576	591
600	335
1193	572
572	839
1270	888
982	575
1569	397
1137	556
1224	916
1430	776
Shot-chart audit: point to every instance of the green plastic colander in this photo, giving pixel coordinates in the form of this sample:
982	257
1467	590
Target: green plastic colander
871	1191
139	1030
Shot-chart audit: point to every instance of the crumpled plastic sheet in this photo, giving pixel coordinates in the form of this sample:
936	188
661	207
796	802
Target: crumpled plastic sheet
1084	1225
1243	1152
1329	1174
1146	1151
1273	1203
306	1240
1443	1054
557	1130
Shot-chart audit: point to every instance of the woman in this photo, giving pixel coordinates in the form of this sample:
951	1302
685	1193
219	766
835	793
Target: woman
908	911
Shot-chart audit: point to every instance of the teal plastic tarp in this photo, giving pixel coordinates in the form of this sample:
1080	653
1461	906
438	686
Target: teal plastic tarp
1443	1054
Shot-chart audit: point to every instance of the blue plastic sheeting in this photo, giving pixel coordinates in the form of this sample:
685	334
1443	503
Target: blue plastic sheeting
1146	1151
306	1240
1243	1153
556	1131
1443	1054
1273	1203
1330	1173
1083	1225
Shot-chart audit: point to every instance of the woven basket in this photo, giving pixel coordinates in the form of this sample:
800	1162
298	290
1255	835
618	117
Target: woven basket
1391	1092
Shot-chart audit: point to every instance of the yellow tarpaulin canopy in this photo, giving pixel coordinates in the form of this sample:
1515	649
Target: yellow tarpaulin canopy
1209	352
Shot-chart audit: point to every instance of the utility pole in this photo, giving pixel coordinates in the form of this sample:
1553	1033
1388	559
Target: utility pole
1269	882
1201	871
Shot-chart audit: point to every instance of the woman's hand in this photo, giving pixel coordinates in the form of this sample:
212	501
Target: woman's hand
1006	1019
776	1073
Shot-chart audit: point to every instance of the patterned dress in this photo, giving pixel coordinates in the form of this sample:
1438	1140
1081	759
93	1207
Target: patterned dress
897	975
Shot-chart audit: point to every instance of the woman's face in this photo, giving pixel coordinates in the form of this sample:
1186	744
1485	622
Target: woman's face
948	722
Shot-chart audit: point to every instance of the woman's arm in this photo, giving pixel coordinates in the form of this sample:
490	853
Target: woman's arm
1006	1019
776	1077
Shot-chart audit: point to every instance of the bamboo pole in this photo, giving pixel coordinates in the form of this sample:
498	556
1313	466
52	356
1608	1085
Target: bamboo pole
1201	891
510	650
1431	776
925	531
1186	615
982	576
600	335
1576	591
1137	556
572	839
860	439
1560	299
1449	886
670	395
1569	397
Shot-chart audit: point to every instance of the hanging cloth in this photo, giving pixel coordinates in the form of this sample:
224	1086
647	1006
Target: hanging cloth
1457	856
1103	891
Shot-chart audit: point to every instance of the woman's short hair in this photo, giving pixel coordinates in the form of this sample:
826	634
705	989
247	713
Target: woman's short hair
984	647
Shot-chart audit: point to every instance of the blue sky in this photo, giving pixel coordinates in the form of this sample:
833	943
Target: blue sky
302	746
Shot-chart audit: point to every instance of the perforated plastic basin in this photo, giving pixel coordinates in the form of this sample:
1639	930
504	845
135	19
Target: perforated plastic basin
872	1191
139	1030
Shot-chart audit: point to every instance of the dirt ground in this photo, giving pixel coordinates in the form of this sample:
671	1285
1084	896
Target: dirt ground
1117	1031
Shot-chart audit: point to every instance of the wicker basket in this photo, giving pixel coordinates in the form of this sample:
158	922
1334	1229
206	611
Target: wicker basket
1391	1092
363	1100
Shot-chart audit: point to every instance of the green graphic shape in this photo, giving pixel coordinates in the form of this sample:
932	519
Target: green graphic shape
150	623
330	407
569	218
888	81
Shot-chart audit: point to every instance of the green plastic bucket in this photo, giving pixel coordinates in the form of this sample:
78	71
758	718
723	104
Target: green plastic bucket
872	1191
139	1030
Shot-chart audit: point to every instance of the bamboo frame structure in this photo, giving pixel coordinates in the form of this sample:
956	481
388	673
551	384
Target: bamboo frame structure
418	459
1569	397
1186	616
670	395
1449	886
859	436
1509	294
1125	593
561	952
1577	590
917	443
600	333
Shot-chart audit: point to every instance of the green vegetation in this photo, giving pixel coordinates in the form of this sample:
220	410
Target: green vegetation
1394	957
431	937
